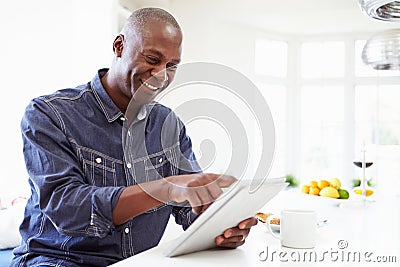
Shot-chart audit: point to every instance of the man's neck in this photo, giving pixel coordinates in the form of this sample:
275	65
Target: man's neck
115	94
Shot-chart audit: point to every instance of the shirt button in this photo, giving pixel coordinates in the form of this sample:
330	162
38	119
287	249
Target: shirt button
129	165
122	118
126	230
98	160
160	160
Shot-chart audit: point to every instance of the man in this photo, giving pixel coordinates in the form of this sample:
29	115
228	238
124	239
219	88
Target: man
91	205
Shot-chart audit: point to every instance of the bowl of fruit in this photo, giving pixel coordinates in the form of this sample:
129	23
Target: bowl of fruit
329	189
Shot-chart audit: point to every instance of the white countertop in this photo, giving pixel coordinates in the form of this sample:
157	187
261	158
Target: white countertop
359	236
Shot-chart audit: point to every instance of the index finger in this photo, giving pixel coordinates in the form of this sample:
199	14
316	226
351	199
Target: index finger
225	180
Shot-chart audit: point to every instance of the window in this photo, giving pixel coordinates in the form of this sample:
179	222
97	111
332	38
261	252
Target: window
377	126
271	58
323	114
376	119
322	131
271	72
275	95
321	110
322	59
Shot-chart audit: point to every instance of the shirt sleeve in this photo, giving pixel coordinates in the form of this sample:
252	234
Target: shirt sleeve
184	216
74	207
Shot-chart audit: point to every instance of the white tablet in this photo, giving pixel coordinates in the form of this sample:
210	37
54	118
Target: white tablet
233	206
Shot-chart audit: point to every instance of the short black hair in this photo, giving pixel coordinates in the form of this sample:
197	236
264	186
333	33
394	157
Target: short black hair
139	18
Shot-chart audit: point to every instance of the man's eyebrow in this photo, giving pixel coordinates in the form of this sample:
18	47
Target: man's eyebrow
159	54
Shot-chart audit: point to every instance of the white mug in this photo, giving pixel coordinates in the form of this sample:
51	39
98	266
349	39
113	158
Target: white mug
298	228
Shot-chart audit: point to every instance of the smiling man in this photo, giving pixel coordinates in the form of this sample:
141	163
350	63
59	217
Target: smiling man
90	205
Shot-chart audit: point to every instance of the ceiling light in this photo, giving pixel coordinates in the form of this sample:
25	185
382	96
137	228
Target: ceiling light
381	9
382	51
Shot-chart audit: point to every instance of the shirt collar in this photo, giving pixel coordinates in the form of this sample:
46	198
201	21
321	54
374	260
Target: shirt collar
110	110
142	113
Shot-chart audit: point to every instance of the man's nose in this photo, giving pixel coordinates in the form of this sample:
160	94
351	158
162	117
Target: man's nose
160	75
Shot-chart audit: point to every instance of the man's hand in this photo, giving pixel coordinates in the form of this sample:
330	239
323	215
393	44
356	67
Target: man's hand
200	190
236	236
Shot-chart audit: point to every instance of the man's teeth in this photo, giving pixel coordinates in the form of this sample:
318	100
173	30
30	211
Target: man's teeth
150	86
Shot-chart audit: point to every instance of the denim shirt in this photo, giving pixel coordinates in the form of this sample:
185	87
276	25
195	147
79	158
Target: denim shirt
74	155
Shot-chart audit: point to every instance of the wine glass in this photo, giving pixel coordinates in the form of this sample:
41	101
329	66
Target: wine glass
363	189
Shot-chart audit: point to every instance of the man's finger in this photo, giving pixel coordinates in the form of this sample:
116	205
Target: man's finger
235	232
248	223
214	190
232	242
194	201
225	180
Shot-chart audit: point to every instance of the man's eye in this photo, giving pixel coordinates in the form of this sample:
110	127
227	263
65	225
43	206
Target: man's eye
172	67
152	60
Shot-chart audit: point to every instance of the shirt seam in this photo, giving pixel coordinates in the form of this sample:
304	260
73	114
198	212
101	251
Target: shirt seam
94	151
98	99
161	152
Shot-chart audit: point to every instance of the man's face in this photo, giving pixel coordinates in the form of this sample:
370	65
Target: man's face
149	60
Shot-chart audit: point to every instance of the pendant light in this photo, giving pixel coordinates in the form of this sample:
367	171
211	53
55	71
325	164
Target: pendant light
382	51
381	9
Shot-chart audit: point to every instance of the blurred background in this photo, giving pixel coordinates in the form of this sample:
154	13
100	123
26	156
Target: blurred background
304	56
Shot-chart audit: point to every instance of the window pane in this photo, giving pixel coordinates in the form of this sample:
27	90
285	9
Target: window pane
275	96
377	114
322	59
377	125
271	58
322	103
322	132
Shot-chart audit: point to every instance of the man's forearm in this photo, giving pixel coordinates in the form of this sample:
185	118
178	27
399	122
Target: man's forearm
137	199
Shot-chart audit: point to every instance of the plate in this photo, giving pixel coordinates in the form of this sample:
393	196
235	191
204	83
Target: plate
274	227
327	200
277	227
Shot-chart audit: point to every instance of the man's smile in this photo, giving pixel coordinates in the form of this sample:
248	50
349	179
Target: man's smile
152	87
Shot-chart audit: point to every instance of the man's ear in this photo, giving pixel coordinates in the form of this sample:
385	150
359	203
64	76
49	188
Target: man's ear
118	45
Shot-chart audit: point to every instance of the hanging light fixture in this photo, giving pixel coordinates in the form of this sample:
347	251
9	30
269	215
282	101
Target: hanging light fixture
382	51
381	9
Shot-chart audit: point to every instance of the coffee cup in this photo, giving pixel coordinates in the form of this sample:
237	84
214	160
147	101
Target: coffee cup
298	228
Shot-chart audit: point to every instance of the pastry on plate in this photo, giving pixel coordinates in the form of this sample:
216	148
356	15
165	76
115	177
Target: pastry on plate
263	217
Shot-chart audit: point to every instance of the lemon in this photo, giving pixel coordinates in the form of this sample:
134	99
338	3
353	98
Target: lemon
367	193
313	184
323	183
335	182
314	191
343	194
305	189
329	191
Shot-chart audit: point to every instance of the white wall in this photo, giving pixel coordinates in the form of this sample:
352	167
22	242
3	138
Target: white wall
209	38
46	45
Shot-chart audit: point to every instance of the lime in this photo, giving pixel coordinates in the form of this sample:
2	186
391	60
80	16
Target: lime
343	194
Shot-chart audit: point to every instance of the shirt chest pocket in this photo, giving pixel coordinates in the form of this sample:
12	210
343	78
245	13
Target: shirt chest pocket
100	169
156	166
